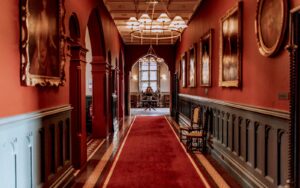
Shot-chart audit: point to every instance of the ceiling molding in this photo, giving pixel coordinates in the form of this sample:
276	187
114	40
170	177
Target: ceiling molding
122	10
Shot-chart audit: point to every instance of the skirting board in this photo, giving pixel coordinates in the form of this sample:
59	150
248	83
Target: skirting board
243	175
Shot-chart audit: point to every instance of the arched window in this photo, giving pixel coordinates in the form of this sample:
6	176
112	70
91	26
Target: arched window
149	73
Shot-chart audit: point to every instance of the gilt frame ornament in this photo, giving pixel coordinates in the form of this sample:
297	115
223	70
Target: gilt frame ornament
231	47
43	42
270	25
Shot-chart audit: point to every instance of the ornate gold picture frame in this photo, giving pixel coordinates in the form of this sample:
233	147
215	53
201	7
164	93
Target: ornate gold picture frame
42	42
192	67
231	47
270	25
205	59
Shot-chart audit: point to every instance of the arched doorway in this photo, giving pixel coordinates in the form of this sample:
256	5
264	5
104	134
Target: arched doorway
77	90
100	76
93	82
89	86
149	72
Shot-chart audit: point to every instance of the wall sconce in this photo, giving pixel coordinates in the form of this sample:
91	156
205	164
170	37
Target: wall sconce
164	77
134	77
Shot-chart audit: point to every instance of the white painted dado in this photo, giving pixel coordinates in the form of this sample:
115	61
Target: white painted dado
20	148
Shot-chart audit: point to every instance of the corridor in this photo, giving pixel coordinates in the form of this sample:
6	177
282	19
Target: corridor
147	152
149	93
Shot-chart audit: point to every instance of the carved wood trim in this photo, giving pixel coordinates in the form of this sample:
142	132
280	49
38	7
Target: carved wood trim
265	111
35	115
293	131
248	137
263	48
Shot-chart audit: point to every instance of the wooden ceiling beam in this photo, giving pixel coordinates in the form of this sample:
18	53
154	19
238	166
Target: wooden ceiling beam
121	10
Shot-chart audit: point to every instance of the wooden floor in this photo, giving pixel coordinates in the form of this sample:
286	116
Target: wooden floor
148	112
101	159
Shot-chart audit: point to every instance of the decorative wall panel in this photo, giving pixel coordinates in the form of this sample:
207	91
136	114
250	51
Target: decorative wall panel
35	148
251	142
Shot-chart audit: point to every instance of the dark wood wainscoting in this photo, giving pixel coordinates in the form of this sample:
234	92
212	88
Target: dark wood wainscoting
55	136
252	143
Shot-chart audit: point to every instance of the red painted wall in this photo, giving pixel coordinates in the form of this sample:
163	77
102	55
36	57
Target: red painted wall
134	52
262	78
16	99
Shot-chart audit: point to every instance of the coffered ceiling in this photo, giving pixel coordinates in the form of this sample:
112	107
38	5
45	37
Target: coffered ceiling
122	10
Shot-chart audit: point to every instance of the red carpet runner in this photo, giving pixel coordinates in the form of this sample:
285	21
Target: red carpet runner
153	157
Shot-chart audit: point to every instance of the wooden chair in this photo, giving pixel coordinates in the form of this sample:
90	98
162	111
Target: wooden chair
196	139
133	101
166	100
194	125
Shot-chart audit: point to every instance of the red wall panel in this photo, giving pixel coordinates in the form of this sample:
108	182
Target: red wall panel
134	52
262	78
16	99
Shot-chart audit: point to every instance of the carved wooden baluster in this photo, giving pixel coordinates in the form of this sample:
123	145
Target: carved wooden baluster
256	125
248	123
240	121
233	132
227	128
292	130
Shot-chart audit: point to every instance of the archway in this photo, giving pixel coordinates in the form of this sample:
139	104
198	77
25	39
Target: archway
100	71
112	94
89	86
100	77
77	90
74	27
147	72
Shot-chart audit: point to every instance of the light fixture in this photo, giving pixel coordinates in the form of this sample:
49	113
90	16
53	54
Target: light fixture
163	18
164	77
135	77
132	22
151	56
145	18
178	22
150	29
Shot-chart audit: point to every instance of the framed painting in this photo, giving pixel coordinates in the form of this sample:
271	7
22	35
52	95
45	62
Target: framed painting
230	47
42	42
205	59
178	69
192	67
270	25
183	70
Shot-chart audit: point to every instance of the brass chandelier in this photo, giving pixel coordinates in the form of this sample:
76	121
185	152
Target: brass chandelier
162	28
